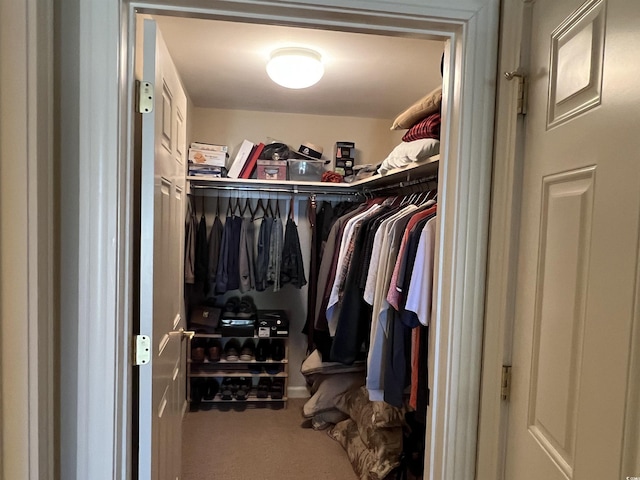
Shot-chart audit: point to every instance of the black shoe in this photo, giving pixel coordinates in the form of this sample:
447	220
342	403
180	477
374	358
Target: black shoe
263	350
248	350
232	350
228	388
264	386
246	308
244	388
211	388
230	309
277	389
197	390
214	350
277	349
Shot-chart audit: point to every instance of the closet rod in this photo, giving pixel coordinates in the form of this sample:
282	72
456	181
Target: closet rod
401	185
260	188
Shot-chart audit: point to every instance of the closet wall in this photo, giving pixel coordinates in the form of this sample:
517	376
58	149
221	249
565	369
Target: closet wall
372	136
289	298
373	140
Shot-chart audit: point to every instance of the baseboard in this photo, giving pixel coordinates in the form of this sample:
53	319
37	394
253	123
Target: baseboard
298	392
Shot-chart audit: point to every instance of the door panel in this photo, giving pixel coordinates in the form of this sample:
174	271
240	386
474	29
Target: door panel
162	213
578	256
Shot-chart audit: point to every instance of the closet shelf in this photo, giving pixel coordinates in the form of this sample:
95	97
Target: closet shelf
410	172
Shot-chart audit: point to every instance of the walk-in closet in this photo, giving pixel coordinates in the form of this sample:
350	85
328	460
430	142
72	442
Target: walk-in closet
307	295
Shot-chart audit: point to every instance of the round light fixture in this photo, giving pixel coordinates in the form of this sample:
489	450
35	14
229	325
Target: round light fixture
295	67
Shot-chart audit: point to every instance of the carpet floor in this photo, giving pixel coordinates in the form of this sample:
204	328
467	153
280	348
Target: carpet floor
259	444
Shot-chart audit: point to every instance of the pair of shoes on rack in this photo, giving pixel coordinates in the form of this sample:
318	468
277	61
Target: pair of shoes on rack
236	387
198	348
236	307
270	348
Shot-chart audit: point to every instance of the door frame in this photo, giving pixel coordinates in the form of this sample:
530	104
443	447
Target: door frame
27	240
104	199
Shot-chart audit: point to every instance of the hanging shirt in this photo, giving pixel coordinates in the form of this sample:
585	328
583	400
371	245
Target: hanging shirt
388	231
421	286
329	260
394	293
352	228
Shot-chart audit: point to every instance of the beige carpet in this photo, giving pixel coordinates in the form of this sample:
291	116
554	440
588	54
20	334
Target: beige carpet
259	444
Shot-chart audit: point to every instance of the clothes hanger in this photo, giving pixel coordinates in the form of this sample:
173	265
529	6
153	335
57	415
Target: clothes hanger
229	208
269	211
277	207
247	205
290	216
259	205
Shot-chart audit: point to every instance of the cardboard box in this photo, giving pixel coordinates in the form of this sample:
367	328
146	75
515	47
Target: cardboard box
272	169
207	157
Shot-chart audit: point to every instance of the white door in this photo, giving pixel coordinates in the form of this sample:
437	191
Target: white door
578	257
162	392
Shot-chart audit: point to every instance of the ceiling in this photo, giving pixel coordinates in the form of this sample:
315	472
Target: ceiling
222	65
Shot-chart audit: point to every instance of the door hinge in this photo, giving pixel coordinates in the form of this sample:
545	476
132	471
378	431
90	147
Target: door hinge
145	97
505	384
141	350
522	90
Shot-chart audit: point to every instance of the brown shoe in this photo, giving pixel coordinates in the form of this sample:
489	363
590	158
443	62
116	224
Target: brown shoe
214	350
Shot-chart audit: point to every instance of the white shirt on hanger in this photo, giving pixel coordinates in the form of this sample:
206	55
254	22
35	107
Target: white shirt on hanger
421	285
333	310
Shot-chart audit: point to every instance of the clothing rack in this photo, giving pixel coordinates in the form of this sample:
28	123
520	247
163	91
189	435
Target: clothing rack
399	186
204	187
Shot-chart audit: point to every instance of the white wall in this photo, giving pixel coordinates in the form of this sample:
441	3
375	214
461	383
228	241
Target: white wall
372	136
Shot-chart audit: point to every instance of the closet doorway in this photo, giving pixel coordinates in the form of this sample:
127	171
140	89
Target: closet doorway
456	171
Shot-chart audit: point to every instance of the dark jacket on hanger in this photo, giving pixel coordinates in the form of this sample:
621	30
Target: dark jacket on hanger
292	269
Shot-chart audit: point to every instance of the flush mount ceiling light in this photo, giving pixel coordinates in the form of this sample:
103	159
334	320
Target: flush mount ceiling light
295	67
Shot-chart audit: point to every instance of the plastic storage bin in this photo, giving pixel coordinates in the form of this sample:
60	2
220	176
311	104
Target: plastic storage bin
305	170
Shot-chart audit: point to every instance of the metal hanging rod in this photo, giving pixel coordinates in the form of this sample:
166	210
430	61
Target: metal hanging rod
402	185
294	189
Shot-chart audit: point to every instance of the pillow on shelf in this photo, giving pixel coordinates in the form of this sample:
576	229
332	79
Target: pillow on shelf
409	152
426	128
422	108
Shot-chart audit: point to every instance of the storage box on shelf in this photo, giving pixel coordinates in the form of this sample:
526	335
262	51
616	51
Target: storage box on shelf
249	368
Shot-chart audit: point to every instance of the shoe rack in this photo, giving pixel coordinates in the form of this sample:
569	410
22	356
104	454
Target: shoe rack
249	369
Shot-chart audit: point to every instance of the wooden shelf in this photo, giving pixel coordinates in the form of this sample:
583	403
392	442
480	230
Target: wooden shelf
239	362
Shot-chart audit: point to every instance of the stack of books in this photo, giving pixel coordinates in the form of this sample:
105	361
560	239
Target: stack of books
207	159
